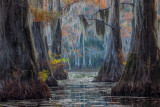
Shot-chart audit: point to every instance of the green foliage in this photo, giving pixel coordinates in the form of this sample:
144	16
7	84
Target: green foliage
54	60
56	63
44	75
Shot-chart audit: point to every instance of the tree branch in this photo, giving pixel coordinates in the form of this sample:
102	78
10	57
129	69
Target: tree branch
65	7
101	10
127	3
110	7
101	22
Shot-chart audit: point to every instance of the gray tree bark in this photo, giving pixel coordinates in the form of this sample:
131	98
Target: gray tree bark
19	65
41	45
17	43
59	74
111	70
83	50
142	71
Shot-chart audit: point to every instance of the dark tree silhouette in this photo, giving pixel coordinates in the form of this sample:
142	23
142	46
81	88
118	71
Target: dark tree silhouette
142	71
19	65
111	70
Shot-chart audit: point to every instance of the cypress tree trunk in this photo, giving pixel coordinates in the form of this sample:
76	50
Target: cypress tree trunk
83	50
18	57
75	59
57	37
40	39
57	33
90	59
78	57
142	72
59	73
112	67
41	45
133	28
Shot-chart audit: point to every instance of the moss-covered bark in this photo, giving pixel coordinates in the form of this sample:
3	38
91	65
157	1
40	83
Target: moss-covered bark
131	64
111	70
41	45
59	74
18	55
142	72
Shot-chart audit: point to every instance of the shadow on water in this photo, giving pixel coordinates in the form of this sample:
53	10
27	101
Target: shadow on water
79	91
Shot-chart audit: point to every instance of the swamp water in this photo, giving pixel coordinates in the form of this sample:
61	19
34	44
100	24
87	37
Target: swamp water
79	91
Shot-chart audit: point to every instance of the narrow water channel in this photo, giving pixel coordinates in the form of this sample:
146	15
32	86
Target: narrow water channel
79	91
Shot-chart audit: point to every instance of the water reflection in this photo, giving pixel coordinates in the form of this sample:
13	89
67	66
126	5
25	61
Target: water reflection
79	91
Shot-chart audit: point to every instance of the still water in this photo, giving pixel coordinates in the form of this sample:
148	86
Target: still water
79	91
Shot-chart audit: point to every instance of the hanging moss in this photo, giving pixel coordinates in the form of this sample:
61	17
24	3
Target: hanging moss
122	9
83	23
101	28
102	15
107	13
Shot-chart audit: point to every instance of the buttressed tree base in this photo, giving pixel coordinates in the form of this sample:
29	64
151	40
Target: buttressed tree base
141	76
19	59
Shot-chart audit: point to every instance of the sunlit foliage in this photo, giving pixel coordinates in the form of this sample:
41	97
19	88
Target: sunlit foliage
41	15
56	63
44	75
